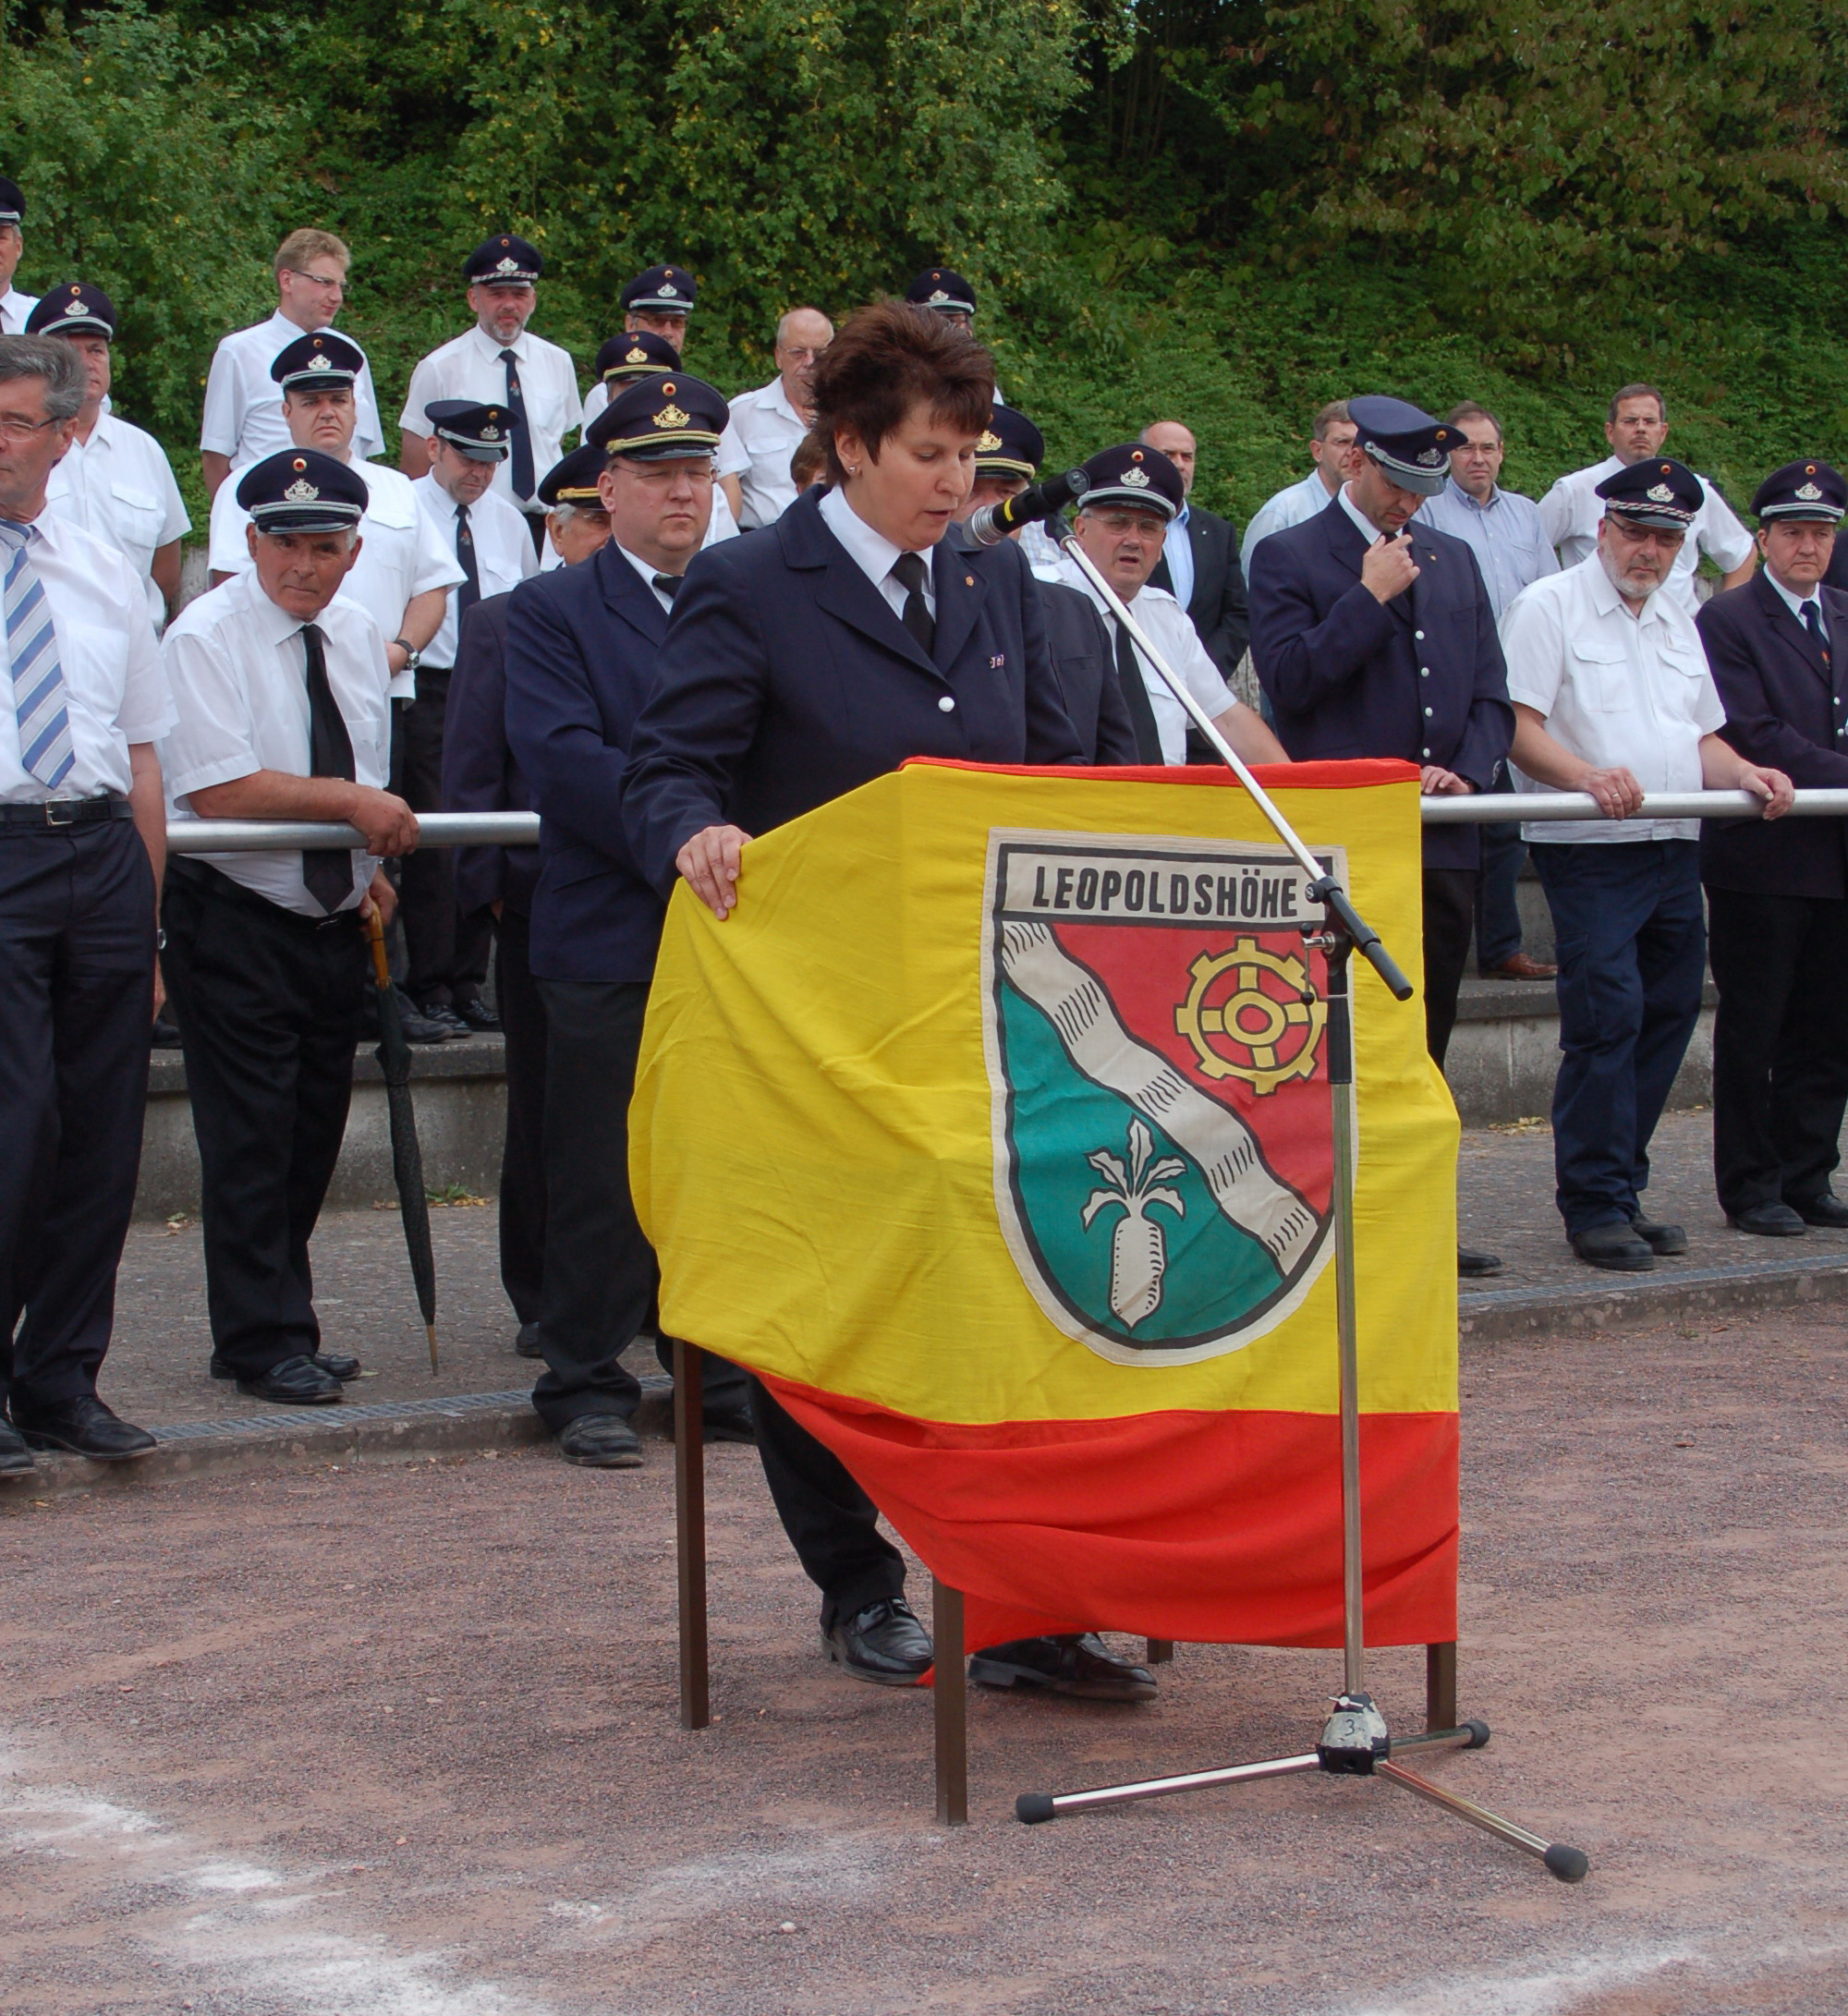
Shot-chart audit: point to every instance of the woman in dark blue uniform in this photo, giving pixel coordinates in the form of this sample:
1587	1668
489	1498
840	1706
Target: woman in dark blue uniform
804	660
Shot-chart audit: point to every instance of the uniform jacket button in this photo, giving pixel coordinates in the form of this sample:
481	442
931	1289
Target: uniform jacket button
947	705
1419	635
1428	713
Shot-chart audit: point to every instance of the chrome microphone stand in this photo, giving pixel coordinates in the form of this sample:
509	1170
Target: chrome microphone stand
1356	1740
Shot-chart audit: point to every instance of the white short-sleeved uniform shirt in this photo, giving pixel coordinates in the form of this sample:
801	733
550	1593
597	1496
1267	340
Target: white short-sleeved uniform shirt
504	554
401	553
115	694
237	668
1173	635
1570	510
244	404
471	366
119	486
1621	691
14	309
770	430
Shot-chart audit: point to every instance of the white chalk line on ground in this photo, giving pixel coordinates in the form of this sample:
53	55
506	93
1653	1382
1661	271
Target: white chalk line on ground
257	1929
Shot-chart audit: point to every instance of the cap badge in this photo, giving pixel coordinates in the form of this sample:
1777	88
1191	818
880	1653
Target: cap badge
491	433
1135	478
1660	493
938	295
301	492
1807	493
1429	458
507	265
989	443
321	361
670	415
668	291
637	356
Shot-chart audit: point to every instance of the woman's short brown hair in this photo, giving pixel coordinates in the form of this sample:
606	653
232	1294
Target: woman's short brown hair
889	358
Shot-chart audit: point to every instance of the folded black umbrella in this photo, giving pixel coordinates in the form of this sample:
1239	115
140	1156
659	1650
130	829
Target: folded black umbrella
394	1055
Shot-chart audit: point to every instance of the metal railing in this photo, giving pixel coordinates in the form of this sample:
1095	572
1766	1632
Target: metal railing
521	828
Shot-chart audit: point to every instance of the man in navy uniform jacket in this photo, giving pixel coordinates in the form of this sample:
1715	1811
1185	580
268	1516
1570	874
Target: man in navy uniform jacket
1777	893
580	654
1375	636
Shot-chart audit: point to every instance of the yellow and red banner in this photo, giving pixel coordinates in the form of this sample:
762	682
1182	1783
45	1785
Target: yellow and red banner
993	1130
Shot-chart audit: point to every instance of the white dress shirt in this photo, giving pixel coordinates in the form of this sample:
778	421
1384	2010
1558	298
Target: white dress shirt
504	554
237	666
1277	513
244	404
1621	691
647	572
471	366
769	431
115	691
1796	604
119	486
14	309
1175	637
1511	543
874	555
401	553
1571	509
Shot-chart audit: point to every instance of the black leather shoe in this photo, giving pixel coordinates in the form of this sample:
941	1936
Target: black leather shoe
1615	1246
1472	1266
16	1459
340	1365
445	1018
1665	1241
481	1019
164	1035
1772	1220
527	1342
885	1643
1078	1665
1823	1208
601	1441
85	1427
731	1425
419	1028
294	1382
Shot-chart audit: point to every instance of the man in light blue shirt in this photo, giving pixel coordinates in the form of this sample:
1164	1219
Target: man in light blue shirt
1513	548
1332	448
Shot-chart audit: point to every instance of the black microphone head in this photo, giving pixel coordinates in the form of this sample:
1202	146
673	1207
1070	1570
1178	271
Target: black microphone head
1060	490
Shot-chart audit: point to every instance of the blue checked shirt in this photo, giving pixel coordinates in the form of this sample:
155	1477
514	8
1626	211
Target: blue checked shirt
1511	545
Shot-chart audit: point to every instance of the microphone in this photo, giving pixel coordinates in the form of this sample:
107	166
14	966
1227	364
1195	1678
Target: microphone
994	522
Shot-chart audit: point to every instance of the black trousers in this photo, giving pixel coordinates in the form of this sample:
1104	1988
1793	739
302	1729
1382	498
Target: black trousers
1450	918
523	1145
446	953
77	997
269	1014
601	1276
1780	1057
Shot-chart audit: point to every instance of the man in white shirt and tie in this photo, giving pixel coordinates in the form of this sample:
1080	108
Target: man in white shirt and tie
446	956
501	362
243	419
82	841
14	306
770	422
282	695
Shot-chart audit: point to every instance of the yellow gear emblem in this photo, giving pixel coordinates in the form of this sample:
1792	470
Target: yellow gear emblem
1265	1035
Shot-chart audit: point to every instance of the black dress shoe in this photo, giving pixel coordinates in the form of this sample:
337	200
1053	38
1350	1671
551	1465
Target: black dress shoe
1823	1208
731	1425
164	1035
601	1441
527	1342
1472	1266
441	1012
419	1028
1613	1246
1772	1220
1666	1240
885	1643
341	1365
1076	1664
294	1382
481	1019
85	1427
16	1459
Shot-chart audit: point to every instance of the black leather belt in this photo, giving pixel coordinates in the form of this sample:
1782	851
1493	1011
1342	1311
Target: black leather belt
55	814
210	881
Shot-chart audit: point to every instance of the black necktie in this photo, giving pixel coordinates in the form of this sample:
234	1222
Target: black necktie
522	469
469	591
1812	622
669	584
1135	697
908	570
327	871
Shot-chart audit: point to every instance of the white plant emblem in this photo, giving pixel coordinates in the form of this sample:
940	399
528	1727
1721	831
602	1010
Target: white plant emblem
1138	1252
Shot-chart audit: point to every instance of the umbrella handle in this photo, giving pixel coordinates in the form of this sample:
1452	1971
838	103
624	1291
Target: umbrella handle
375	931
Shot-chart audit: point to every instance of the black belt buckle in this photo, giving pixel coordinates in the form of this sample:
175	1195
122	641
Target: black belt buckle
52	809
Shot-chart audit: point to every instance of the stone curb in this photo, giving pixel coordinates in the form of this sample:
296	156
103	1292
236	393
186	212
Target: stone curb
1489	1316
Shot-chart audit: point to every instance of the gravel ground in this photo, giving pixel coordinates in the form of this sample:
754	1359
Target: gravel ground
401	1741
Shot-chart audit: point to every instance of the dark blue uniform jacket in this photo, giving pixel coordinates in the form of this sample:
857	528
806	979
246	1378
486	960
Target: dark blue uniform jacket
479	771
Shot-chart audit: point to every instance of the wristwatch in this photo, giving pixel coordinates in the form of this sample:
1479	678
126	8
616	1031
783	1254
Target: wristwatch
413	656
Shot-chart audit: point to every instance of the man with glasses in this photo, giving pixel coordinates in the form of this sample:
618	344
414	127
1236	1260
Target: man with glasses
771	421
15	307
243	411
1613	697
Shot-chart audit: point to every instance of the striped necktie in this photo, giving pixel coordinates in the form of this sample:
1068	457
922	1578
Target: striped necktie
31	650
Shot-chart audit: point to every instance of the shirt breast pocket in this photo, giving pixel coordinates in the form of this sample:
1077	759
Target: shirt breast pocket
1688	667
1600	678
